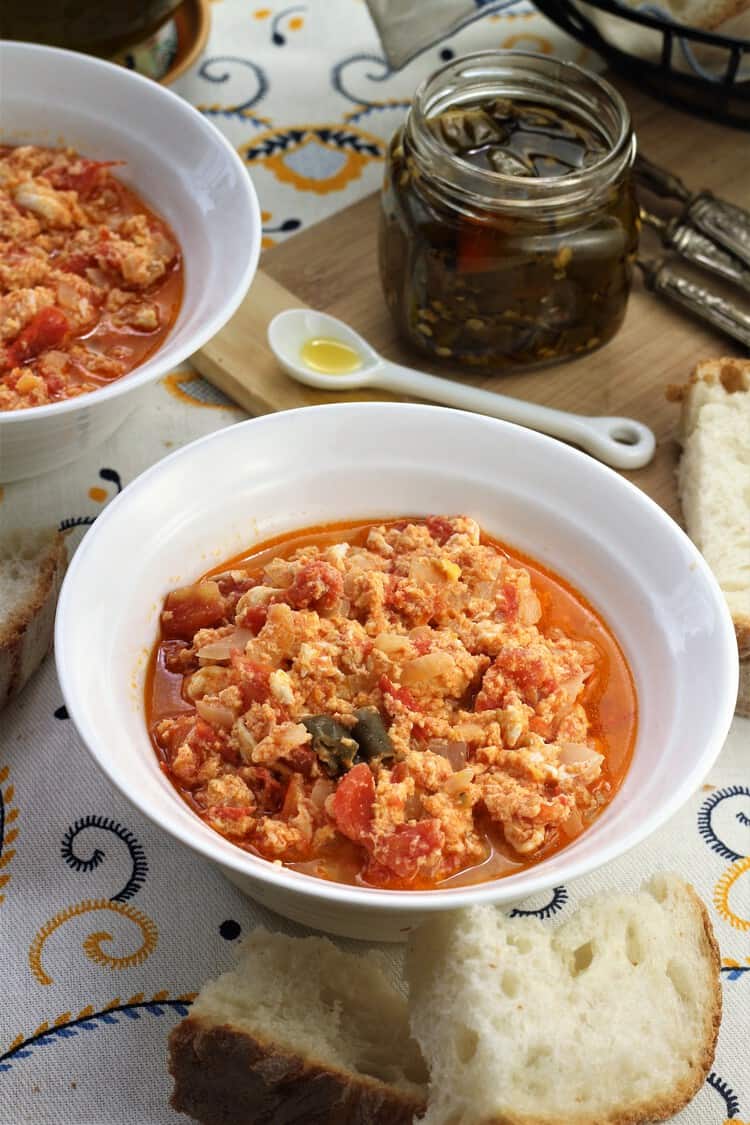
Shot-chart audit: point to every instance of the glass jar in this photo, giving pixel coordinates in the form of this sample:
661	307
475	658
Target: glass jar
497	269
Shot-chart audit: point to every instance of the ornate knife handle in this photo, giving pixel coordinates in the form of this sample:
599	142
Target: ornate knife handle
723	222
717	311
703	251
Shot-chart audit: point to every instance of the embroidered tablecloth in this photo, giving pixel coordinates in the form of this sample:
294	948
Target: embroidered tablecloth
107	927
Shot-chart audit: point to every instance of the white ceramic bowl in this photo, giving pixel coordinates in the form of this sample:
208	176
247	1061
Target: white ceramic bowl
183	168
304	467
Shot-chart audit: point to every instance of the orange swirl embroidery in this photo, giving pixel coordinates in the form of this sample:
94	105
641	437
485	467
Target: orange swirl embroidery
8	814
528	42
92	945
722	891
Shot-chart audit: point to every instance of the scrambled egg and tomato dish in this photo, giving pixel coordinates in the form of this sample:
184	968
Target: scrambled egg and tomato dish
90	278
391	708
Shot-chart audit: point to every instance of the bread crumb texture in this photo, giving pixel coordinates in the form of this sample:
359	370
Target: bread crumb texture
331	1007
32	565
714	479
608	1019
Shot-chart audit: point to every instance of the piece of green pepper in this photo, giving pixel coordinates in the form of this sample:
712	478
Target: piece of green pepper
332	742
372	737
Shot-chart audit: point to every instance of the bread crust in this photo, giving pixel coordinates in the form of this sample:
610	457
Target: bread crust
26	634
677	1098
225	1076
721	13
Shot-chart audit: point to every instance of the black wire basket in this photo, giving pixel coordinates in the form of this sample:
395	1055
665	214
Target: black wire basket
722	95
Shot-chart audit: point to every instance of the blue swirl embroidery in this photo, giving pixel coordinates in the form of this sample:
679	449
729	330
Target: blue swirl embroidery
731	1100
88	1020
705	815
241	109
137	854
555	904
337	77
86	521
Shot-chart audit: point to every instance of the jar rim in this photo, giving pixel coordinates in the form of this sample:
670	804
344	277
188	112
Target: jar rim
521	190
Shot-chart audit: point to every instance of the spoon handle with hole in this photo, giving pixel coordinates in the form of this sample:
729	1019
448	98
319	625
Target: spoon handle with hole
622	443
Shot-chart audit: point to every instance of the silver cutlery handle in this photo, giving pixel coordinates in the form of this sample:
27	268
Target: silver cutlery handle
717	311
723	222
697	247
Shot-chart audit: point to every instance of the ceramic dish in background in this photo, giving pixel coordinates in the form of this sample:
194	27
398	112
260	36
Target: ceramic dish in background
174	47
85	25
183	168
307	467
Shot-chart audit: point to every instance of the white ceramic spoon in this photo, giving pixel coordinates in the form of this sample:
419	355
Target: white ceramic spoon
622	443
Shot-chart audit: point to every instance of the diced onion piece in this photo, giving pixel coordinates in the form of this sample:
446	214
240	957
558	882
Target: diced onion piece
429	569
67	295
279	573
572	825
459	782
321	791
215	713
392	644
529	608
572	687
259	595
413	807
425	668
470	732
577	754
455	752
225	646
281	686
245	741
291	735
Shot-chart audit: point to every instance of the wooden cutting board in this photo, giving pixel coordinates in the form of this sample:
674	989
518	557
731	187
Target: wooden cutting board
333	266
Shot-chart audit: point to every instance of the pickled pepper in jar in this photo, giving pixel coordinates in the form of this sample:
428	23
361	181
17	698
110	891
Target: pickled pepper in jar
509	221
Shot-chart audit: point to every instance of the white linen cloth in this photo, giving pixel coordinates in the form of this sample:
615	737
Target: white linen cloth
107	926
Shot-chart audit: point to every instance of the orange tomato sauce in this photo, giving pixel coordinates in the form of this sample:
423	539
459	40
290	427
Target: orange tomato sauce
84	299
609	699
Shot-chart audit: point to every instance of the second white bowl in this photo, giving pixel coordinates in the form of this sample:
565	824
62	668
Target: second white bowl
183	168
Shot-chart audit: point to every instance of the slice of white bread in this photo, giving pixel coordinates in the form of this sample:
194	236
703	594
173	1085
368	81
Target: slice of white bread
298	1031
713	481
32	565
608	1019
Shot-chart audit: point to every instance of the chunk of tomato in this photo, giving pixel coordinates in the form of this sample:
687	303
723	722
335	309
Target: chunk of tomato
85	179
317	585
402	694
77	263
190	608
254	685
401	851
47	329
352	803
439	528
